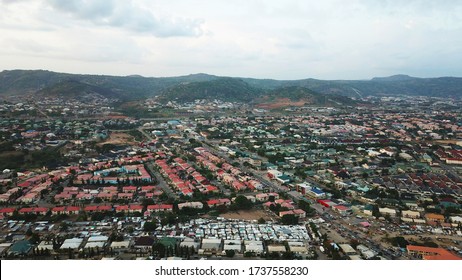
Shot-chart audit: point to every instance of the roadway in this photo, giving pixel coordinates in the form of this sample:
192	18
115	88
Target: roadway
161	182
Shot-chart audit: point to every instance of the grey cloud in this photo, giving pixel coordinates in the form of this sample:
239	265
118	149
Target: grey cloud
125	14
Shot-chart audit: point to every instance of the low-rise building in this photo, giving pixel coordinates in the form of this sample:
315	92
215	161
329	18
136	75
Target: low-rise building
388	211
253	246
410	214
429	253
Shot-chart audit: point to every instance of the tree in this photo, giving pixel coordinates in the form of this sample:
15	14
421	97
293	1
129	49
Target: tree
289	219
159	249
147	201
64	226
261	220
288	255
305	206
242	203
399	241
35	238
230	253
149	226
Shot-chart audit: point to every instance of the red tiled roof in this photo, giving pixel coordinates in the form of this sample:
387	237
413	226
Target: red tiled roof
7	210
58	209
433	253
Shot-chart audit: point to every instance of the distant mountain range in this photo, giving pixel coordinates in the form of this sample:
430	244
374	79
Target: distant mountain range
204	86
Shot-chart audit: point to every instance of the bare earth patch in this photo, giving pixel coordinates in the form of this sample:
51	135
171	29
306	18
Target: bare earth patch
445	142
281	103
119	138
248	215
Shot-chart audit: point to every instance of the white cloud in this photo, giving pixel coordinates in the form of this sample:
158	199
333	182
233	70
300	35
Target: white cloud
126	14
274	39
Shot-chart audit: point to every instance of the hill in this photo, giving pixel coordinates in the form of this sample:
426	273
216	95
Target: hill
201	86
72	89
300	96
16	82
226	89
394	85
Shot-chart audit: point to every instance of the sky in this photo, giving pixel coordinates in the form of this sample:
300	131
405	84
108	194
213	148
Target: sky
290	39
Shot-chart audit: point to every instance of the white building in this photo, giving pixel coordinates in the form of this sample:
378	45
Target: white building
253	246
192	204
297	247
388	211
72	243
233	245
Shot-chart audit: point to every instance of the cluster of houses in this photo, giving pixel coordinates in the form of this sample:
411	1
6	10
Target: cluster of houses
228	174
183	178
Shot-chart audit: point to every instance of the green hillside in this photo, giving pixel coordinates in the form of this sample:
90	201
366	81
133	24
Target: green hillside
297	94
200	86
226	89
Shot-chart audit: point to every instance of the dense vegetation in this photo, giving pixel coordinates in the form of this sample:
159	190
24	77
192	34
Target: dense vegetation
228	89
297	93
209	86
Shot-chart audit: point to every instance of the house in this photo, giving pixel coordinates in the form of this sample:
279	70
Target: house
366	252
233	245
33	210
347	249
303	188
20	248
120	245
7	212
192	204
283	179
72	210
387	211
429	253
297	247
277	248
45	245
253	246
125	195
96	241
189	242
218	202
455	219
71	244
273	174
97	208
135	208
144	243
297	212
129	189
69	210
410	214
255	185
342	209
432	217
326	203
368	209
210	246
316	193
160	208
122	209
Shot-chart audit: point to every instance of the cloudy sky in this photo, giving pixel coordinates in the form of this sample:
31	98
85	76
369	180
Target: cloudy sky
332	39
